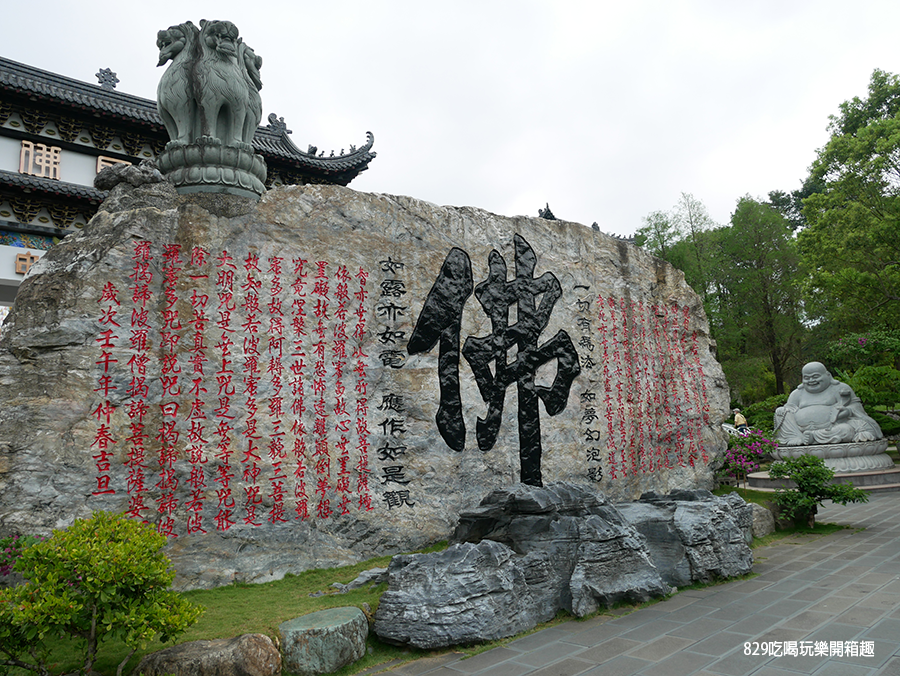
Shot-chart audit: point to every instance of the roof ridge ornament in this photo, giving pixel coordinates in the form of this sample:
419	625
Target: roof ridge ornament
107	79
278	125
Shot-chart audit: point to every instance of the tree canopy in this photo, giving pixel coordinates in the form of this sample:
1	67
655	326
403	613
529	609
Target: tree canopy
809	272
851	244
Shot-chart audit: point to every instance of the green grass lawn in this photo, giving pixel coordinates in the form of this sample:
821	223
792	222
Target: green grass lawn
255	608
259	608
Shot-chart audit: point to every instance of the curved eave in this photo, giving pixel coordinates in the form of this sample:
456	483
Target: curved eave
278	145
48	186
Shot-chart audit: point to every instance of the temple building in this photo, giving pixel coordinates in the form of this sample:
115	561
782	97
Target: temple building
57	133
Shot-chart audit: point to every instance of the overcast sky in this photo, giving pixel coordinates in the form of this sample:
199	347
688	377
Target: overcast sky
606	110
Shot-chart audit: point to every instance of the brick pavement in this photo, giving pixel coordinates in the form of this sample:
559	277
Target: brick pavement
836	591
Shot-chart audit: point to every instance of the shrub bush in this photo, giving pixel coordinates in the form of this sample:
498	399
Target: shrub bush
744	455
813	480
104	577
11	548
889	426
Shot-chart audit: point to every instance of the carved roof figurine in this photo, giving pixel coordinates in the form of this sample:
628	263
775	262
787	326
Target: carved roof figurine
546	214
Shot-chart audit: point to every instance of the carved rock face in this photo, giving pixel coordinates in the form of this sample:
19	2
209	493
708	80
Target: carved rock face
243	374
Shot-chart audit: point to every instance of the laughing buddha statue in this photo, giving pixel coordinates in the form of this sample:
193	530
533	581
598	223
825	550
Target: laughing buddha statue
823	410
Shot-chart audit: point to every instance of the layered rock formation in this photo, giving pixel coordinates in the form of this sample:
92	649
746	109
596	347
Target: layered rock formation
326	375
526	553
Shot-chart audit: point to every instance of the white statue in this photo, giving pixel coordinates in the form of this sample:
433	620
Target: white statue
823	410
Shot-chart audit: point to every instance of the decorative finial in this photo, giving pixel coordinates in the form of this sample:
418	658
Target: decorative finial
107	79
278	125
546	214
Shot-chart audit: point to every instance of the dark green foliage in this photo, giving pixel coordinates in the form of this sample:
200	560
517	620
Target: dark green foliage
850	246
747	274
889	426
813	480
761	415
874	385
871	348
11	549
104	577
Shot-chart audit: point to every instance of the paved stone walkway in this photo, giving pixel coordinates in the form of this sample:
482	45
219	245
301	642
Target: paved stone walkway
841	589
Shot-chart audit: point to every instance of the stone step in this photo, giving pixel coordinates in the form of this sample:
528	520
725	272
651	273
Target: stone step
875	481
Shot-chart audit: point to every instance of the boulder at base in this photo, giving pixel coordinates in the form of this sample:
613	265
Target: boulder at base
246	655
527	552
694	536
324	641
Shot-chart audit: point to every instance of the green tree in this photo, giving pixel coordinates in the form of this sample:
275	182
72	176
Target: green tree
659	232
103	577
695	222
851	244
758	275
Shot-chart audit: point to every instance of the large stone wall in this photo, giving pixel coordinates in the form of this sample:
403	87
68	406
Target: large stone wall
329	375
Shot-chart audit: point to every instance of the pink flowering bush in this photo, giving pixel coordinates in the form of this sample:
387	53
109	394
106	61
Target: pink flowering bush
745	454
11	548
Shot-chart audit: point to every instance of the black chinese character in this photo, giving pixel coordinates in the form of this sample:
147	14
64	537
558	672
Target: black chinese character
392	426
441	317
388	452
393	474
391	311
391	402
393	358
397	499
389	336
391	266
393	287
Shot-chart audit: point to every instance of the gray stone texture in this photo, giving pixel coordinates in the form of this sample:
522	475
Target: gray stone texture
694	536
246	655
324	641
526	552
763	520
50	365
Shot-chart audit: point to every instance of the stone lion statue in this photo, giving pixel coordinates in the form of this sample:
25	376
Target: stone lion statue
211	89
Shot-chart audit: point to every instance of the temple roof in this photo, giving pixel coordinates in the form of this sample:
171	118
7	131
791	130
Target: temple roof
271	141
51	186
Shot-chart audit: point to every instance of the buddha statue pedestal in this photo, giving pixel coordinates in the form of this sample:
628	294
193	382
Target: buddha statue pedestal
858	456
